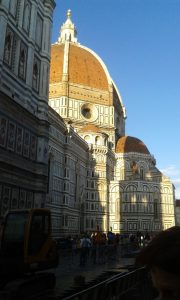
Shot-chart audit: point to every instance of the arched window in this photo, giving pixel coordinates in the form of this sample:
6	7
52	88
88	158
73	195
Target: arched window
13	7
26	19
36	71
39	26
22	62
97	140
141	173
8	47
155	208
87	138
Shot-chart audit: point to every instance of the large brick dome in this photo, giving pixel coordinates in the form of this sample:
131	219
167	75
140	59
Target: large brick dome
81	89
127	144
84	68
77	72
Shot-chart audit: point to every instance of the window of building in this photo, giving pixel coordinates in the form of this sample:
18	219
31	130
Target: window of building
87	138
22	61
65	199
66	187
67	160
141	173
66	173
39	27
26	17
36	74
8	47
92	184
155	208
13	8
97	140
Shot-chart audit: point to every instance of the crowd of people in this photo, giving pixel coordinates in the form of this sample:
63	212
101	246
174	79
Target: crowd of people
99	247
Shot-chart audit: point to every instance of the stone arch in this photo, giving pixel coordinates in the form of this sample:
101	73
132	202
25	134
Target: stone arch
115	188
146	188
131	188
156	189
87	138
166	190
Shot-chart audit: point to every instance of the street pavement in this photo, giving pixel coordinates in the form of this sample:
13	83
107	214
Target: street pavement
69	269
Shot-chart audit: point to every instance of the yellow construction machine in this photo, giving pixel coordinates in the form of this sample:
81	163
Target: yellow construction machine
27	251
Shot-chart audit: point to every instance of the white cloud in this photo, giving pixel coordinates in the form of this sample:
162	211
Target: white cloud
171	171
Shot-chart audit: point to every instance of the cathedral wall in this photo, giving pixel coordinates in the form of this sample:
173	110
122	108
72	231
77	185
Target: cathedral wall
78	181
141	198
68	159
71	109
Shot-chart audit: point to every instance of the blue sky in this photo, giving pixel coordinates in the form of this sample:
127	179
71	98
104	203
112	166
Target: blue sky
139	41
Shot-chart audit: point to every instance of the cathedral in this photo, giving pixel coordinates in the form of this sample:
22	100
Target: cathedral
99	178
63	143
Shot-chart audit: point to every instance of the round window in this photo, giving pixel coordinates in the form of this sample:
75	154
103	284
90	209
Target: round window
89	112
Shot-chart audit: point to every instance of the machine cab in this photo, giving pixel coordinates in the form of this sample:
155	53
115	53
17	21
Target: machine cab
26	241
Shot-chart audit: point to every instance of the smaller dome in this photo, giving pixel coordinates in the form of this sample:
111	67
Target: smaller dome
90	128
127	144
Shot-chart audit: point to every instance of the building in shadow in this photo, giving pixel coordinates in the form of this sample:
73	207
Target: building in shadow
24	75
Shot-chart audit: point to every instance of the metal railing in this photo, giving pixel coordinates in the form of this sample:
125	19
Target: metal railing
132	285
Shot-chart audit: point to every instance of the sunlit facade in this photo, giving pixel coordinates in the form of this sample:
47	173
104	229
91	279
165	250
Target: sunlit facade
72	155
98	176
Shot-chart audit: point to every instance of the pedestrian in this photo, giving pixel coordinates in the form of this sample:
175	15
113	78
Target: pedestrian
84	250
162	257
73	248
93	248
